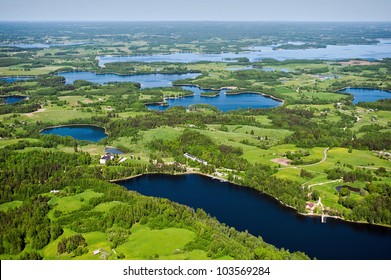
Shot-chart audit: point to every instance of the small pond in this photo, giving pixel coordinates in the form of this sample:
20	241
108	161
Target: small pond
367	94
79	132
356	190
113	151
13	99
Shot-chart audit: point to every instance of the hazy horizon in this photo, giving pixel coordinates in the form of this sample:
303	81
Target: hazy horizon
201	10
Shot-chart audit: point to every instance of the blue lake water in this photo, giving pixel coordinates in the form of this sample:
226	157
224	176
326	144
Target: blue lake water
13	99
113	151
378	51
14	79
223	101
247	209
146	80
367	94
79	132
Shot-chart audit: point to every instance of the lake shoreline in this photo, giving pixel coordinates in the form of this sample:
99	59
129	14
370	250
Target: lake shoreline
232	93
222	180
65	125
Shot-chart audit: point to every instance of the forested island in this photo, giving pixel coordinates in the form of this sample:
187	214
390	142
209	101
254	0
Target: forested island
315	150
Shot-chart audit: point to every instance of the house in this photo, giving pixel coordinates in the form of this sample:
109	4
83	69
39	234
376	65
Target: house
189	156
310	206
96	252
105	158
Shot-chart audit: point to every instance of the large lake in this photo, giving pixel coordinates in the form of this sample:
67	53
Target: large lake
222	101
247	209
332	52
146	80
79	132
367	94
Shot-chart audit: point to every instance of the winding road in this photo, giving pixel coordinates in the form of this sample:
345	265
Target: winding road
312	164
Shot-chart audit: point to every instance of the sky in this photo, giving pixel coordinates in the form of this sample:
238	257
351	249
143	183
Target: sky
195	10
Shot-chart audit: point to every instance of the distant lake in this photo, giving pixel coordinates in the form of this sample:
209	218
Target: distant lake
13	99
41	45
146	80
331	52
247	209
79	132
367	94
223	101
14	79
113	151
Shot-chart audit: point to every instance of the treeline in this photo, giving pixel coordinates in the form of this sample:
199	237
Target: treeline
25	173
28	228
260	177
383	104
216	239
308	133
27	225
19	108
203	147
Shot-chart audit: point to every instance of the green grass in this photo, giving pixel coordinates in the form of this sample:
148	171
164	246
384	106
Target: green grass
50	250
105	207
71	203
140	149
18	71
145	243
6	142
10	205
356	158
52	113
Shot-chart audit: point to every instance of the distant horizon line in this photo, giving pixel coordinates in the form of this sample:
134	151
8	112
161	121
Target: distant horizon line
211	21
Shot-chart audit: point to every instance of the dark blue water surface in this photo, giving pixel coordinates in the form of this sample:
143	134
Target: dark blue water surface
113	151
146	80
367	94
247	209
14	79
222	101
13	99
79	132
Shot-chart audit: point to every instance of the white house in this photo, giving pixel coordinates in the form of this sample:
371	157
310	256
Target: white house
105	158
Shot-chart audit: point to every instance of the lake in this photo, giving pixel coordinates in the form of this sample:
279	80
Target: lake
367	94
247	209
331	52
113	151
146	80
14	79
79	132
224	102
13	99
